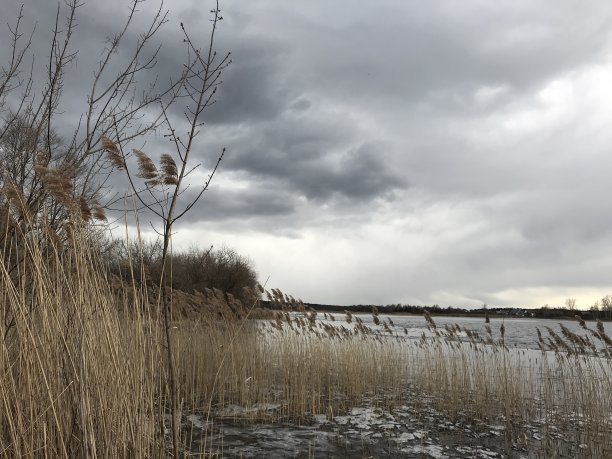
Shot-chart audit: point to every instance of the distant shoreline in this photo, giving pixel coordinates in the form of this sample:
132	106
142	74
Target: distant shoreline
409	310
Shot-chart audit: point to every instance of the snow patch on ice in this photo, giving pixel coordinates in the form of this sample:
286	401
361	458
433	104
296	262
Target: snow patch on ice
196	421
435	451
479	452
237	410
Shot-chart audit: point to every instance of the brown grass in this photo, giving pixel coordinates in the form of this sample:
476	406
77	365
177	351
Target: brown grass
82	371
76	378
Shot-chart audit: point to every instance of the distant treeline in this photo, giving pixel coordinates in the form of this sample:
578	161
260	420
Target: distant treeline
540	313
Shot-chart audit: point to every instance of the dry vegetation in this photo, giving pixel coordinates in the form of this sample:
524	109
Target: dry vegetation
77	378
82	366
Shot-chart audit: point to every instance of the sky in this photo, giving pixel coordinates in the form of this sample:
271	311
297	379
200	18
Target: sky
451	153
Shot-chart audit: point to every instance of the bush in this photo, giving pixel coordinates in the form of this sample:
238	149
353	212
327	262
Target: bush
195	269
223	269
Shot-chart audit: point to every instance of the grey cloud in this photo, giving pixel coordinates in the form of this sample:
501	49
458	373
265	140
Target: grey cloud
250	91
361	173
226	204
533	239
432	48
220	204
315	160
301	104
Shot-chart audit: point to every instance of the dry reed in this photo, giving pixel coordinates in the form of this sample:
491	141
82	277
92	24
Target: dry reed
82	373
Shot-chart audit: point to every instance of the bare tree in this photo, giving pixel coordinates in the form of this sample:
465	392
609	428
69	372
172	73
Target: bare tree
570	303
117	101
158	187
42	171
46	180
606	306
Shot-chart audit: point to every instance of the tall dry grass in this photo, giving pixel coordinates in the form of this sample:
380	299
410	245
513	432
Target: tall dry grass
298	372
78	378
303	364
82	369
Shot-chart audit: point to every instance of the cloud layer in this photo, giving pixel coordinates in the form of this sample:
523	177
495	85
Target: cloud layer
402	151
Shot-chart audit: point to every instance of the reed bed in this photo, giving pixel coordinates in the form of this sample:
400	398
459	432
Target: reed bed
76	378
82	370
301	364
299	373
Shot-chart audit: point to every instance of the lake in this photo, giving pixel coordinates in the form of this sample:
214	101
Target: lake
519	332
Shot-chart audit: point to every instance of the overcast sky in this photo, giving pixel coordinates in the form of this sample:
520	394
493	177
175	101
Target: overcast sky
440	152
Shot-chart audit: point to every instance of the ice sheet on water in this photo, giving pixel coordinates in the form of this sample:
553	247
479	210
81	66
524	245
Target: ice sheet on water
405	431
434	451
238	411
196	421
365	419
406	437
479	452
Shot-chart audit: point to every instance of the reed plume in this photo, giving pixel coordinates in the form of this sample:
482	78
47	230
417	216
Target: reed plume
113	153
169	170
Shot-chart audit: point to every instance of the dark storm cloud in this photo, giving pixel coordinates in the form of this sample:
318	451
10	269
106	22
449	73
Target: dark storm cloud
251	89
95	24
224	204
361	173
427	56
250	92
221	203
315	160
